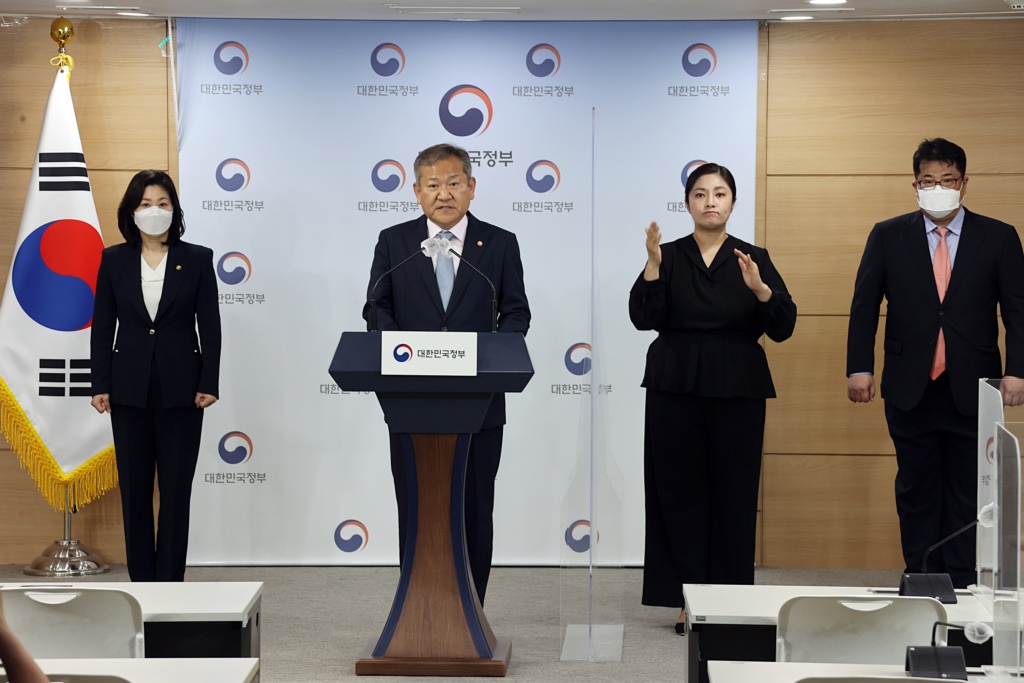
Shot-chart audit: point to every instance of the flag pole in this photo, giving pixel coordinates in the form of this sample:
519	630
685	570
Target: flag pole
66	557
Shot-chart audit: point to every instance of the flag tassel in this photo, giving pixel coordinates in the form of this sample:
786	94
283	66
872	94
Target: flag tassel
87	483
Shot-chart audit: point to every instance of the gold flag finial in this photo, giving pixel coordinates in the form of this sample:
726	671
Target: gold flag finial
62	32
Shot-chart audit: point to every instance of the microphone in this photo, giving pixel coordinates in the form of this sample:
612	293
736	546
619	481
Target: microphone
428	247
945	662
986	518
445	247
939	586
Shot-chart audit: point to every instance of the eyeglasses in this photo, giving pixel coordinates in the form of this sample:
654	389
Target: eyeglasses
949	183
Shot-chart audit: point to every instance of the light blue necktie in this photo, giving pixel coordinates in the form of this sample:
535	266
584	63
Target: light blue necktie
445	272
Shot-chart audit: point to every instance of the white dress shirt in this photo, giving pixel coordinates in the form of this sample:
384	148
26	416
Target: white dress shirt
153	285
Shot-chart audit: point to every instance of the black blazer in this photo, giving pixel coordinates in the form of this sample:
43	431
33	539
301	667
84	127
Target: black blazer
188	362
709	322
988	271
409	299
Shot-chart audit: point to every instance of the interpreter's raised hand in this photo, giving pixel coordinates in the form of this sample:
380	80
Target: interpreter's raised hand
205	400
101	402
1012	389
752	276
653	270
861	388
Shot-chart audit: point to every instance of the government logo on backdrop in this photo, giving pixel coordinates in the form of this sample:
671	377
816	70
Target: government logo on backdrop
54	274
231	58
699	60
549	60
392	65
688	169
235	448
581	544
473	120
354	543
239	175
240	268
549	179
577	359
393	181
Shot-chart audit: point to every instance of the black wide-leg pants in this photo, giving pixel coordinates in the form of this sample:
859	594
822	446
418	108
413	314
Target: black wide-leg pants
148	442
702	467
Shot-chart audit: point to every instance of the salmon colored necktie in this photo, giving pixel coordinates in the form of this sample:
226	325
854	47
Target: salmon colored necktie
942	269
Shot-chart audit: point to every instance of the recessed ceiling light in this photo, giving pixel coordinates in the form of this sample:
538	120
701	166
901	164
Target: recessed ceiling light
826	2
797	17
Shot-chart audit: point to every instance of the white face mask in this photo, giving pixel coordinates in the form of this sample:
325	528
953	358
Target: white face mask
939	201
153	220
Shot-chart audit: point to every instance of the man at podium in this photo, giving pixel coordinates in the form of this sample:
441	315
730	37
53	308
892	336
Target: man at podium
446	293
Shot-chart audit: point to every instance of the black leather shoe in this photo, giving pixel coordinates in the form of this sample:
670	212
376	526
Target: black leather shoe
681	628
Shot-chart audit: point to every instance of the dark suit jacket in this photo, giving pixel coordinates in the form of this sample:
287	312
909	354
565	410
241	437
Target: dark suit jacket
709	322
409	299
187	362
988	270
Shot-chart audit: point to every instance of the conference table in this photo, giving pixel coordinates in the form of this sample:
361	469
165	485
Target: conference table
738	623
791	672
192	670
190	619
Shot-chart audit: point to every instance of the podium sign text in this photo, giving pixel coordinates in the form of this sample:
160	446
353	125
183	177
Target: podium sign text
451	354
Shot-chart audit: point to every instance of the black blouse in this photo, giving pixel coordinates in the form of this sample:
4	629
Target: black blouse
709	322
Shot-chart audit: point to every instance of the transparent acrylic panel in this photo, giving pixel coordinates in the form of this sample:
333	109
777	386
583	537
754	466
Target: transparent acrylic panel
990	415
591	578
1006	612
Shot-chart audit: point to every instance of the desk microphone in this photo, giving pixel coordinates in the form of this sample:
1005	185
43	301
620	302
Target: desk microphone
428	248
936	585
445	246
945	662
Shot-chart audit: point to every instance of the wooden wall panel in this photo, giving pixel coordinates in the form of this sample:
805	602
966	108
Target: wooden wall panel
119	87
830	511
812	413
853	98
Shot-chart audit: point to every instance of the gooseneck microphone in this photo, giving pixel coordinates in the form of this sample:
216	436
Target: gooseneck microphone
428	248
986	518
445	246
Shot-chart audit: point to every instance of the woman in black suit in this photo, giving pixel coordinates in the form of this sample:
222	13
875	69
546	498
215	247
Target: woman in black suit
158	375
710	296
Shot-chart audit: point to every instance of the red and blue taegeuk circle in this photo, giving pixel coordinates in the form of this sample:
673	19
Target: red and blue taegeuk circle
54	274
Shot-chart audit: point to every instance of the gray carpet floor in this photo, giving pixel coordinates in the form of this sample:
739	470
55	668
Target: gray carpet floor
317	620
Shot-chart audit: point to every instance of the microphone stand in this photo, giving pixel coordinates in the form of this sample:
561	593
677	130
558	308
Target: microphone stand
447	249
373	290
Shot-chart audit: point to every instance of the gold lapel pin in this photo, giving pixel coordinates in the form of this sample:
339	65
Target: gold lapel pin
479	243
177	267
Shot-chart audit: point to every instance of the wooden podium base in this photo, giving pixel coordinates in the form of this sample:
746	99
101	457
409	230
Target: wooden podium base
368	665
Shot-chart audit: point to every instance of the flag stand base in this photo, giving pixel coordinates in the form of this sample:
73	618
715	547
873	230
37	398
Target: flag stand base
67	558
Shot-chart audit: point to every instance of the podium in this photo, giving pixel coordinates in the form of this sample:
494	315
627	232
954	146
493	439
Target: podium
437	626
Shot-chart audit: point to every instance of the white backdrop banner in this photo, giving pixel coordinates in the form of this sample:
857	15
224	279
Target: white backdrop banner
297	140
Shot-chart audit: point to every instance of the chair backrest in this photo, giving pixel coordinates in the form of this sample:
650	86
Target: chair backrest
78	678
868	679
75	622
856	629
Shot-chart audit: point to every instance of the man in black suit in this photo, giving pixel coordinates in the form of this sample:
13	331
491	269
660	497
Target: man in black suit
942	270
415	297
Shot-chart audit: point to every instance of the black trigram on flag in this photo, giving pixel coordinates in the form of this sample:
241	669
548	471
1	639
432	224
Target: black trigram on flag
57	379
63	172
